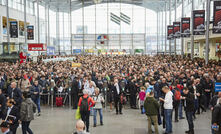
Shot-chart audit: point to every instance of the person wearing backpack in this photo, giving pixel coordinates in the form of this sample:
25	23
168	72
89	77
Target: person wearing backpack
85	104
176	100
28	108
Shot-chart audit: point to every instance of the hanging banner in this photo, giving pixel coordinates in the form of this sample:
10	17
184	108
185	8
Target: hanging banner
50	50
217	17
199	22
14	29
170	32
185	27
176	29
76	51
36	47
30	31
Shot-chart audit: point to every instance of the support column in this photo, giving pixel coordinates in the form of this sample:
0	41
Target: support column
207	31
38	22
8	35
162	32
175	21
83	23
95	26
108	47
48	25
182	39
63	33
165	28
157	32
170	24
71	28
25	23
192	36
145	36
132	30
58	31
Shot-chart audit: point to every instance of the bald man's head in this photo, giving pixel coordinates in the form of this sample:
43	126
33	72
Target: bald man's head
80	125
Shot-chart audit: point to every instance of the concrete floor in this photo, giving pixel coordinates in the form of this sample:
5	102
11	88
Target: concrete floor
62	121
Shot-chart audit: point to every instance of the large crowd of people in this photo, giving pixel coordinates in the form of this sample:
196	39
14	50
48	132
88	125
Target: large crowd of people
161	82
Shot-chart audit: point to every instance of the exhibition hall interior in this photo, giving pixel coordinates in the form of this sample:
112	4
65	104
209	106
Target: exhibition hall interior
110	66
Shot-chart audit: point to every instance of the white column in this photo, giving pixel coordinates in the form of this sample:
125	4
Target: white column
207	31
182	39
192	36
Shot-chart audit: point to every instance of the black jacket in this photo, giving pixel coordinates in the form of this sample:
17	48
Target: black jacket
213	101
189	102
116	95
14	112
75	87
17	95
216	115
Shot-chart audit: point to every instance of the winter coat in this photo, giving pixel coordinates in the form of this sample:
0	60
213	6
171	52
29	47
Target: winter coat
27	110
151	106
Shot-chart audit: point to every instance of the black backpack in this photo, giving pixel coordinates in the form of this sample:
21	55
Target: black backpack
84	105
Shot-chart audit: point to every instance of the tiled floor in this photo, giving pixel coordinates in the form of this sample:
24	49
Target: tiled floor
62	121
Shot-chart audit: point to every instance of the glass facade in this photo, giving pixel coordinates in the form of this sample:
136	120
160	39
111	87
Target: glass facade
127	26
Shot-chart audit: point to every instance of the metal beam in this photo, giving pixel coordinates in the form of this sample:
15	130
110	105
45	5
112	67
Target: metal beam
165	28
25	21
175	21
207	31
8	35
192	36
182	39
170	24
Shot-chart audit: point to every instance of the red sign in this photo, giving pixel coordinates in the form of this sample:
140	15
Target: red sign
36	47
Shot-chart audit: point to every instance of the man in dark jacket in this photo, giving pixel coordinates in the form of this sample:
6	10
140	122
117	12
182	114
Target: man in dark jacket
117	93
216	118
74	92
5	128
12	115
2	104
14	93
151	107
189	109
35	95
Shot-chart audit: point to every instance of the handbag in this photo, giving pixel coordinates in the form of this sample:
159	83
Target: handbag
78	114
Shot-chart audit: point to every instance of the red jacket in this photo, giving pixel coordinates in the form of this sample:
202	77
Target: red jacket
90	102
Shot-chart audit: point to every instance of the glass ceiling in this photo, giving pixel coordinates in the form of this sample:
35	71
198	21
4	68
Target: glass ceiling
64	5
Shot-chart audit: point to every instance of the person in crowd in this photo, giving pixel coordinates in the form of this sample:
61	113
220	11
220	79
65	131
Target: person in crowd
216	118
133	91
80	127
176	100
24	83
110	94
117	93
43	83
215	100
35	91
28	108
151	107
193	89
75	91
5	128
142	96
168	108
98	99
207	86
85	104
189	108
12	116
2	104
14	93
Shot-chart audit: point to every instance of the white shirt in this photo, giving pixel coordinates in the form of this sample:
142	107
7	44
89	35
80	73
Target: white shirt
195	97
117	87
168	101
